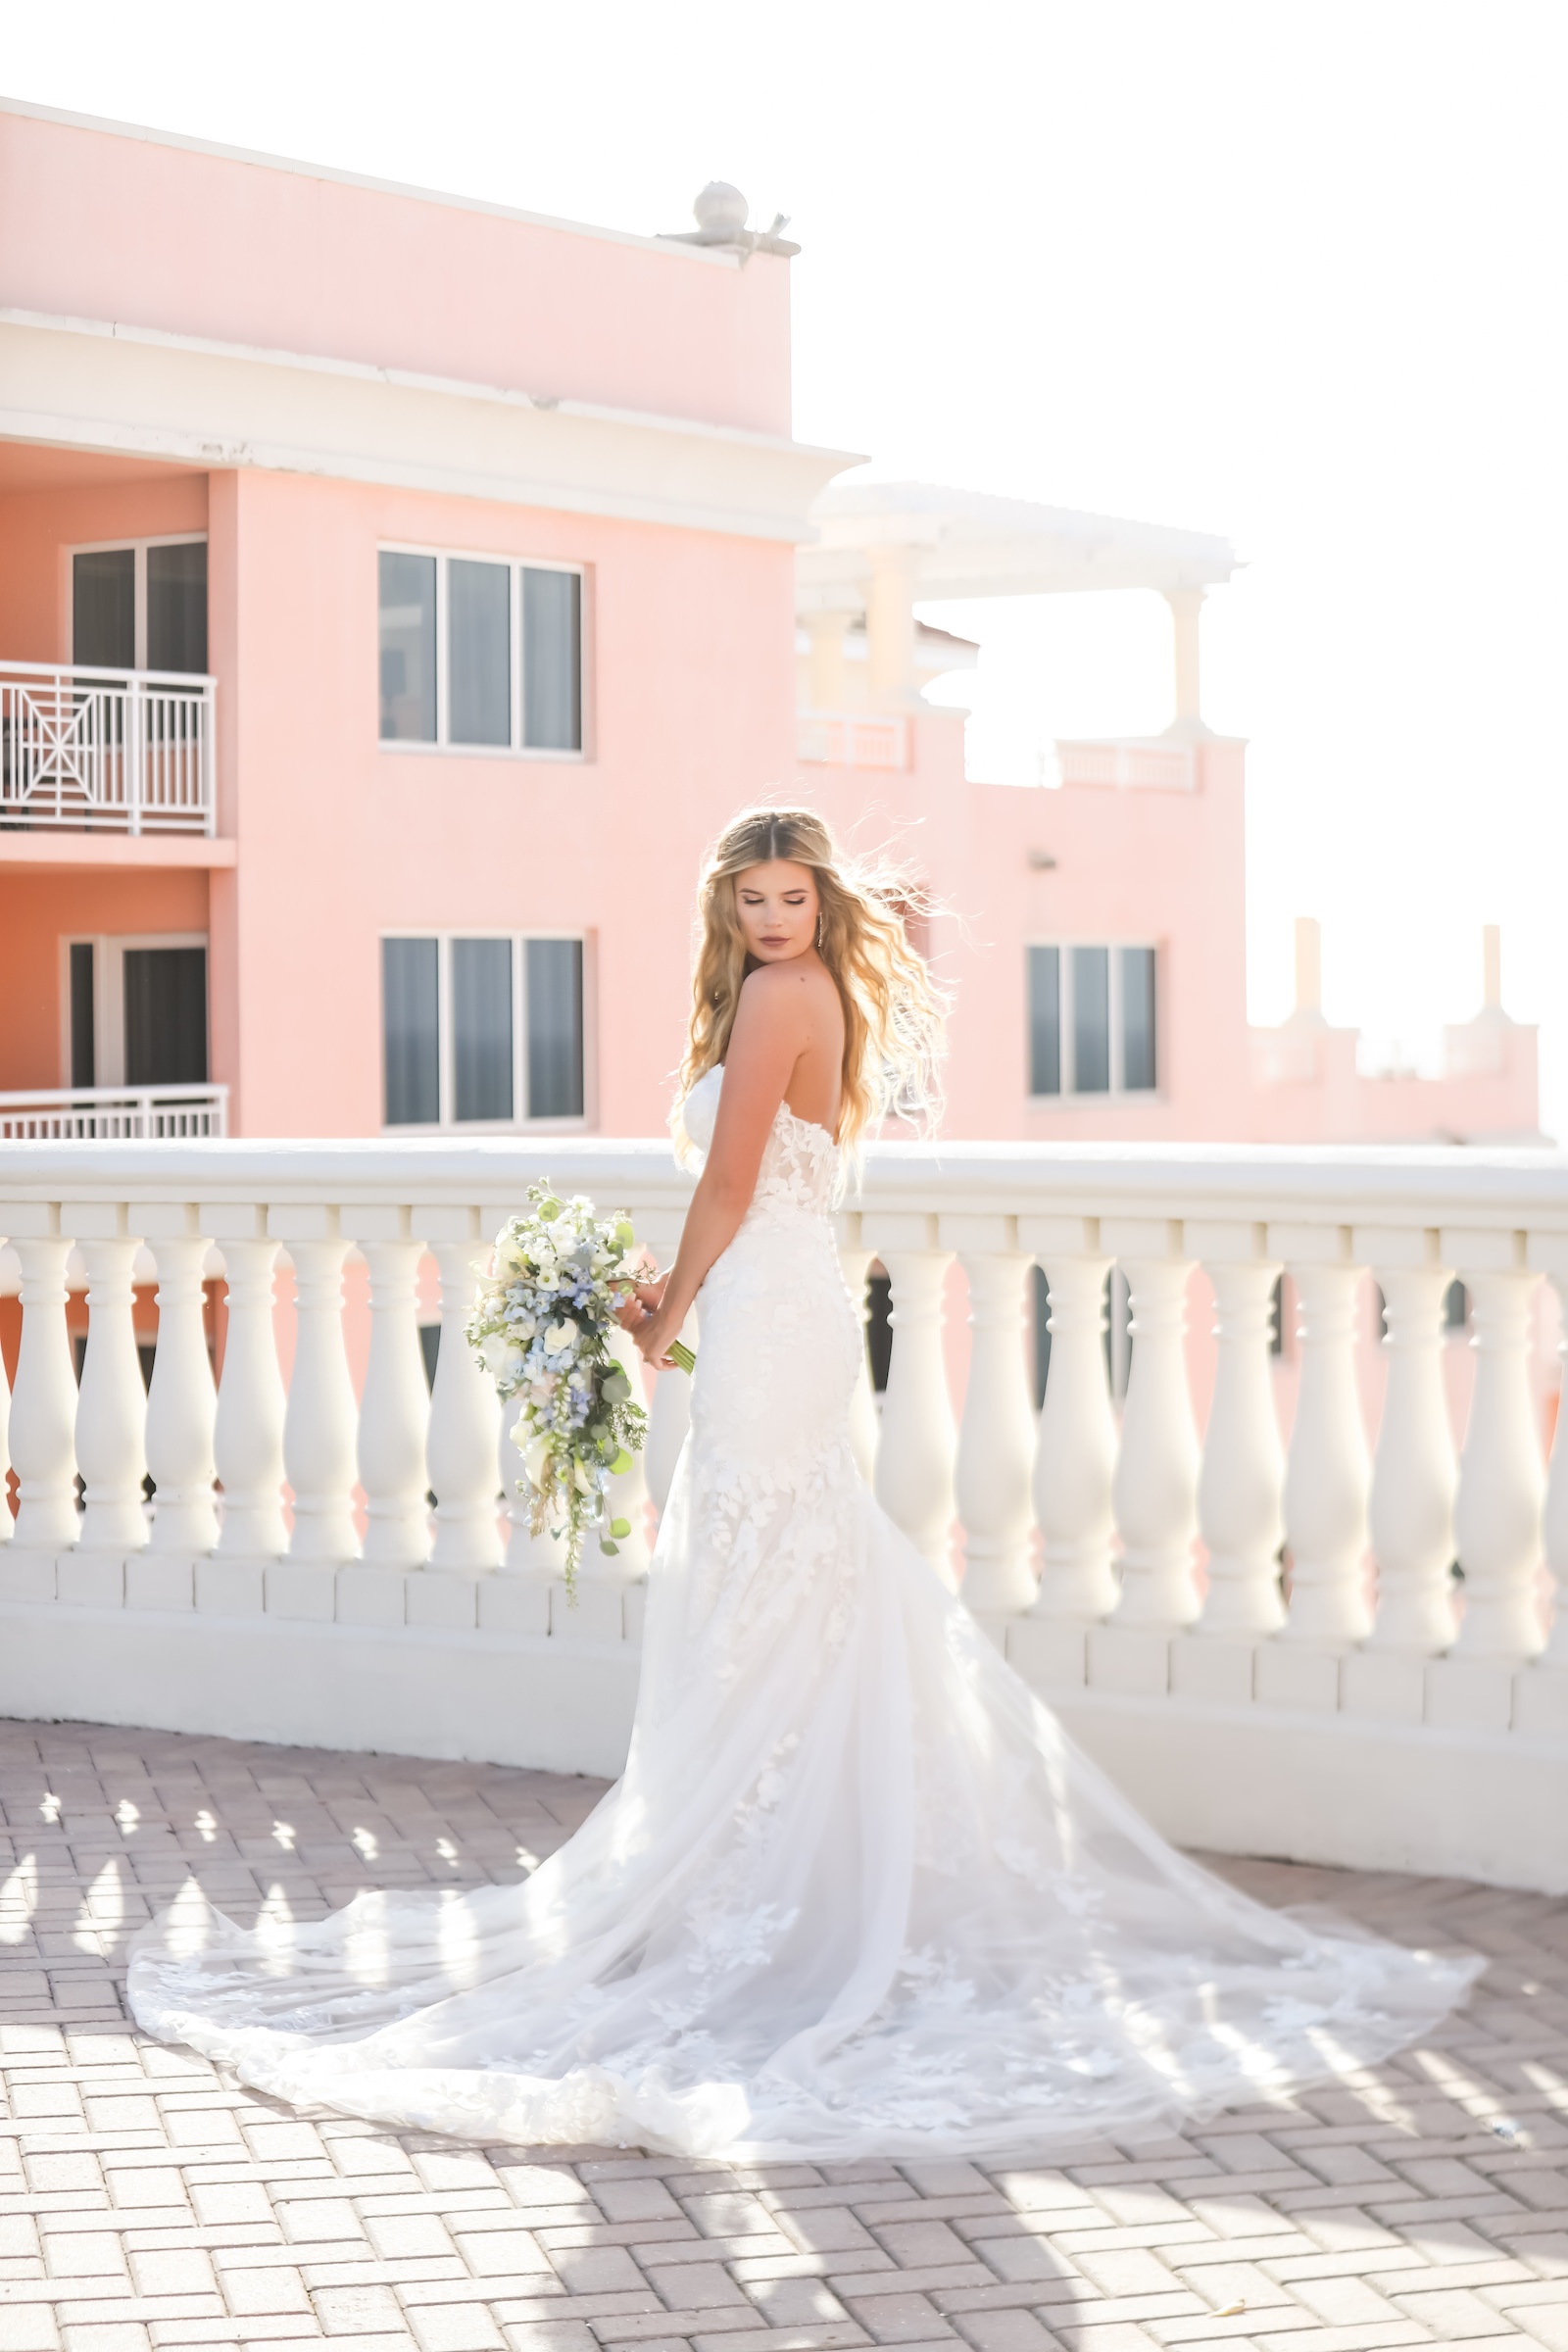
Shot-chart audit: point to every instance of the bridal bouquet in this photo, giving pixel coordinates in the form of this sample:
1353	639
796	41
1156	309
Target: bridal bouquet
541	1325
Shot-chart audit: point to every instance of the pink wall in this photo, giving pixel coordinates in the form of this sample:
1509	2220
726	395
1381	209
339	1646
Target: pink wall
340	839
38	909
102	226
126	501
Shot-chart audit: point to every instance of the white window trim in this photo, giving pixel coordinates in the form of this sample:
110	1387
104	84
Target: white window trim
520	1123
1069	1099
110	547
442	746
109	991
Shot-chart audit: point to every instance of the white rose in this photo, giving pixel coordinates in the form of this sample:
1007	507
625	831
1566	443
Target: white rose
494	1351
562	1339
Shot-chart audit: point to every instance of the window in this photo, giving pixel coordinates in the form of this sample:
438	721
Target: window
482	1030
480	654
142	605
134	1010
1091	1021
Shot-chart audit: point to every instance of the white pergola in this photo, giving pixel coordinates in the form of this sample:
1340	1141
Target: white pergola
882	548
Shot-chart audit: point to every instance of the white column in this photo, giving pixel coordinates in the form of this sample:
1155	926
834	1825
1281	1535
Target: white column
889	629
1497	1509
1238	1487
1155	1487
248	1432
462	1448
914	1459
1326	1481
181	1403
669	1417
320	1422
1411	1513
1556	1524
995	1435
1186	611
43	1407
1075	1455
856	1265
826	632
112	1405
394	1410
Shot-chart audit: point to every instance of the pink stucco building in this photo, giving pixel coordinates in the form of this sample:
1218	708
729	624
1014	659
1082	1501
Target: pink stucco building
399	591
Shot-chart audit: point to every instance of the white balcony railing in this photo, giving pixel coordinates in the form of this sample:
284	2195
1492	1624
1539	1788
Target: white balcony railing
1130	766
114	1113
841	739
1368	1707
108	750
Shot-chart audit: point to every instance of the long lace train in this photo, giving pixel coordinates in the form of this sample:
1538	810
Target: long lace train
856	1893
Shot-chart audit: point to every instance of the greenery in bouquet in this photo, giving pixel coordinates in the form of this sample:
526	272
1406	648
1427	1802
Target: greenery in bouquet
541	1324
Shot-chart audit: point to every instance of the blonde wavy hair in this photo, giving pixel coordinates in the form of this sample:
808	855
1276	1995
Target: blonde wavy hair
894	1014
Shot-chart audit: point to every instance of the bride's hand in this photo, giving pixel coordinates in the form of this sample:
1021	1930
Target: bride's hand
645	1296
653	1336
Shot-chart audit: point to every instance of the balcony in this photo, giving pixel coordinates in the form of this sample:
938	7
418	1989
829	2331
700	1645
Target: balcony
846	739
1368	1707
114	1113
126	752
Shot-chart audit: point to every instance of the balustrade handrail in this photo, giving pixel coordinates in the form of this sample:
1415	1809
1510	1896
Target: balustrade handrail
190	682
1337	1183
84	747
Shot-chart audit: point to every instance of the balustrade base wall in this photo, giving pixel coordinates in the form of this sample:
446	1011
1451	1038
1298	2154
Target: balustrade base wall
493	1669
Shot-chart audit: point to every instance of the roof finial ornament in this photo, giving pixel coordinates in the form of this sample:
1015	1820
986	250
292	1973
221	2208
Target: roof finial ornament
720	211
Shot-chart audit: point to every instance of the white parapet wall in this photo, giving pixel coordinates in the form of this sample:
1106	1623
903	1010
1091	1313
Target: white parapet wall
1330	1650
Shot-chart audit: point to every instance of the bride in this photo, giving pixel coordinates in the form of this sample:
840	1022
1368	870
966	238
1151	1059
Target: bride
856	1895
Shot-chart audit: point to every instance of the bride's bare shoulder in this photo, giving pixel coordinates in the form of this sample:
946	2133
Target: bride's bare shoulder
785	991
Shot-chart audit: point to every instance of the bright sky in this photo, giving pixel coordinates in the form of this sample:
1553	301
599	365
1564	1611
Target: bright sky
1290	269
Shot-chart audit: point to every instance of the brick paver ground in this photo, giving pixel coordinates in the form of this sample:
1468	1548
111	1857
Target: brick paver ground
146	2200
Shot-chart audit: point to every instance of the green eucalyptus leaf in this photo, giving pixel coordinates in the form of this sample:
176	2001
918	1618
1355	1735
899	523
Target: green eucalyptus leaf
621	1527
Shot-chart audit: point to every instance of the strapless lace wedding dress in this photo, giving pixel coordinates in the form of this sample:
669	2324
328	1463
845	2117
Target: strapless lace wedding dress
857	1895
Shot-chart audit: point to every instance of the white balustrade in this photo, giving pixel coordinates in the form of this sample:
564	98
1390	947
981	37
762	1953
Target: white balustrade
461	1450
319	1424
1498	1511
1410	1511
1328	1474
6	1523
248	1429
1186	1700
915	1457
182	1402
112	1402
1155	1487
856	1265
394	1409
1240	1515
991	1485
1075	1456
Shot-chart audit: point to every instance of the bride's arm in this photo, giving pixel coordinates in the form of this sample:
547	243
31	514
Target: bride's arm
771	1030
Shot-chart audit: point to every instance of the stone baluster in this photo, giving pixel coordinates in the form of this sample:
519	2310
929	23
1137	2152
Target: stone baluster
1238	1487
395	1403
1154	1490
461	1450
1555	1517
43	1407
319	1420
1075	1452
1411	1513
248	1431
1327	1478
995	1434
669	1417
1497	1509
856	1265
915	1457
182	1403
111	1404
